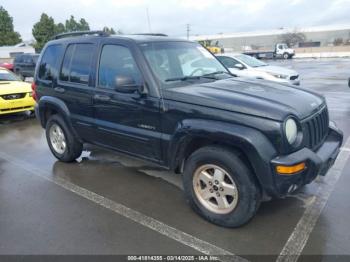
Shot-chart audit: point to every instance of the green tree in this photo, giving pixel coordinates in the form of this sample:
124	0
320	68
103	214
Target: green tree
83	25
60	28
7	34
72	25
110	31
43	31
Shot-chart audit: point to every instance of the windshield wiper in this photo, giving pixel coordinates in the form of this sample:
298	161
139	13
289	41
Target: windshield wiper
207	76
215	73
182	78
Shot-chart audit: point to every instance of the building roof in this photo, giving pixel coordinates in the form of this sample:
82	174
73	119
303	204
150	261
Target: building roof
272	32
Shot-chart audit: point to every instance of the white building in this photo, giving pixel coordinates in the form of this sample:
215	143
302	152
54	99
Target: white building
323	35
7	52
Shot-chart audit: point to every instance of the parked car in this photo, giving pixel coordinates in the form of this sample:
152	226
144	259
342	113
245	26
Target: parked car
233	141
24	65
6	65
280	50
15	95
250	67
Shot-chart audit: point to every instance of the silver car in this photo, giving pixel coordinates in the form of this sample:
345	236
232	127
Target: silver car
250	67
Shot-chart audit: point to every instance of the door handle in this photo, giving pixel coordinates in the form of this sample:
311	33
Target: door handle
102	98
59	89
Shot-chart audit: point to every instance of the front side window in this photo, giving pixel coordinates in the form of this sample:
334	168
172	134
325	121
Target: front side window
174	60
49	62
250	61
117	61
229	62
76	67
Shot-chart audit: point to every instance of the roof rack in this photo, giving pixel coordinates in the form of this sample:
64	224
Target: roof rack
151	34
80	33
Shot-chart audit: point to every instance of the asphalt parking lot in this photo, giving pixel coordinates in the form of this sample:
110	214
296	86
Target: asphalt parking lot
109	204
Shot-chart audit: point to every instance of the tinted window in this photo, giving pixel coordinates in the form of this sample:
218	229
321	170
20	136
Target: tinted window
116	60
35	58
64	75
49	62
76	66
18	59
27	59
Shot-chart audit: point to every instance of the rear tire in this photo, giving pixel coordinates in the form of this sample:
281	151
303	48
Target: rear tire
63	144
236	197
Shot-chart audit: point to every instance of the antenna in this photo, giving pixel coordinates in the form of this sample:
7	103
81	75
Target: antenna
188	29
148	20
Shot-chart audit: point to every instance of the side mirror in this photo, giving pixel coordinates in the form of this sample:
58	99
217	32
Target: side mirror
125	84
239	66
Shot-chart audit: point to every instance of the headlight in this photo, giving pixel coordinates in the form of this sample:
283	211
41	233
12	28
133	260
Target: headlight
291	130
279	76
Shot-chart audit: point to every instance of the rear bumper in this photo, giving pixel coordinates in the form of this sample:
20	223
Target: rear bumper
317	163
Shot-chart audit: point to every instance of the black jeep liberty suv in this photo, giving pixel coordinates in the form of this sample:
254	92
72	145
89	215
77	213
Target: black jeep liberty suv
172	102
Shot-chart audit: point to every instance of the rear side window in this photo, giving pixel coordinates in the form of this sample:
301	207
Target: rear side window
49	62
76	65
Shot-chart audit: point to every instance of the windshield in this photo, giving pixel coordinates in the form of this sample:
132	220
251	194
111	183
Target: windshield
181	61
250	61
8	76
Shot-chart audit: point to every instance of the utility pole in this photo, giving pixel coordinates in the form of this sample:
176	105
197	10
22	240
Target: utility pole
149	21
188	29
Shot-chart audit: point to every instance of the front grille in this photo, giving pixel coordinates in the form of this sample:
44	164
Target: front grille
15	108
316	128
13	96
294	77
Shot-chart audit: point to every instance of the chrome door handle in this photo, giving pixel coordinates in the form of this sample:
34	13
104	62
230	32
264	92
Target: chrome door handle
102	98
59	89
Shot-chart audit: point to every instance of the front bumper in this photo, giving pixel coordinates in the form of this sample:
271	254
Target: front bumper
18	105
317	163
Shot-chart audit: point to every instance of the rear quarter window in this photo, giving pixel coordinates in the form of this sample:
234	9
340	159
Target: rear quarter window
48	68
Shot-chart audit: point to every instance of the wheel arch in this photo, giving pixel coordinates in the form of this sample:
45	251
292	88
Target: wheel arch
48	106
251	145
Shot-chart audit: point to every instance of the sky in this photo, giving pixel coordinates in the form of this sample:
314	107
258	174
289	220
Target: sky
171	16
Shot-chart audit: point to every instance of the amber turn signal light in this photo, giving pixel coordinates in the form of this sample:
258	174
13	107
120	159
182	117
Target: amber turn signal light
290	170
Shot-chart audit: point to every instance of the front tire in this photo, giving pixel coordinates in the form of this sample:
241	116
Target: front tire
220	187
63	144
285	56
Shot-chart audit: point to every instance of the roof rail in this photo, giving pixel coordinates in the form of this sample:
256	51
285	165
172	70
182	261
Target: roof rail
151	34
80	33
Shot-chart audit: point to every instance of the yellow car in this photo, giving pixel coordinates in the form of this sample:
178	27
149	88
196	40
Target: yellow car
15	95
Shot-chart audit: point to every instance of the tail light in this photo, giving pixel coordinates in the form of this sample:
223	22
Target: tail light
34	91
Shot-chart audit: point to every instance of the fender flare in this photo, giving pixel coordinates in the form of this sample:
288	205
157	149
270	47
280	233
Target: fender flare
59	106
254	144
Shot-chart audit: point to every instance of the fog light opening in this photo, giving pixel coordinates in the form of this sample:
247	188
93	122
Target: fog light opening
290	170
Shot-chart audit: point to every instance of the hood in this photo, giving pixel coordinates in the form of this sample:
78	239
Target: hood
255	97
276	70
14	87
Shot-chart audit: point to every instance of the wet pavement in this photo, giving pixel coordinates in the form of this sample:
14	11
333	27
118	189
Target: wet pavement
48	207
